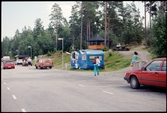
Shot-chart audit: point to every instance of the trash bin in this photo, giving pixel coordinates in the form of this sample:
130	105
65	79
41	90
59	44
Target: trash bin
136	65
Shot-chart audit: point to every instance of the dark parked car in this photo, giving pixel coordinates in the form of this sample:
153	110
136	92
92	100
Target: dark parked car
120	48
152	74
8	64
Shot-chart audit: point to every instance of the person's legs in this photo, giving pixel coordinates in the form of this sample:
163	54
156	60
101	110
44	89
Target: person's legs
95	69
29	64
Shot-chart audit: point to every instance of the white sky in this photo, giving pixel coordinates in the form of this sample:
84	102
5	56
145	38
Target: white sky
16	15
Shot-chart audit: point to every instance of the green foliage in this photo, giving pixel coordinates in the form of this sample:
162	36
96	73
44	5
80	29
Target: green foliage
105	49
114	38
49	53
159	42
54	50
110	54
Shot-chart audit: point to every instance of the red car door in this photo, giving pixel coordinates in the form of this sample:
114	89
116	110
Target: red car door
162	75
151	76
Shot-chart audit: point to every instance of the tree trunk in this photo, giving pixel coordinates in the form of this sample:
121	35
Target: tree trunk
145	24
105	24
150	21
87	31
81	28
108	30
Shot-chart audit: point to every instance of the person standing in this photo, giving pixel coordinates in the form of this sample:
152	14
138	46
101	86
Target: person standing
97	65
134	58
29	62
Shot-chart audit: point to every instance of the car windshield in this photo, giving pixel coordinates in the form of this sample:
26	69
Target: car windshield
47	61
10	62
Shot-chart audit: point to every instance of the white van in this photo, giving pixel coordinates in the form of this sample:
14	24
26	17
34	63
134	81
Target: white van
5	58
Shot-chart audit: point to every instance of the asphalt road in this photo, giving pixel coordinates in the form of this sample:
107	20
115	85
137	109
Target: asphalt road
53	90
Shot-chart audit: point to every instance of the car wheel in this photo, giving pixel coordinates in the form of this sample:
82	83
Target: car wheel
36	67
50	67
134	82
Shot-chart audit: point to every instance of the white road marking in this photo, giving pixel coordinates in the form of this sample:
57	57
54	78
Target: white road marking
14	96
23	110
4	83
8	88
107	92
81	85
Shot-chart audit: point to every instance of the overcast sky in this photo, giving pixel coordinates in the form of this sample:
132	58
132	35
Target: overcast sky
16	15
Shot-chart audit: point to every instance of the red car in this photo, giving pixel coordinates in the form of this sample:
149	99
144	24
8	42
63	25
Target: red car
152	74
44	63
8	64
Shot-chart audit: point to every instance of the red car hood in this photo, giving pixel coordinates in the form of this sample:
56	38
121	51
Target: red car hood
131	71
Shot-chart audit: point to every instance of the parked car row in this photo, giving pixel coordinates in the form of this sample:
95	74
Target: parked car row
41	63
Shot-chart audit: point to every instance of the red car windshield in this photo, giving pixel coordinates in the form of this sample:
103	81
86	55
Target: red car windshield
10	62
47	61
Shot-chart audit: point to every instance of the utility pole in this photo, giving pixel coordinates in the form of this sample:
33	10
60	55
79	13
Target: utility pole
162	6
108	30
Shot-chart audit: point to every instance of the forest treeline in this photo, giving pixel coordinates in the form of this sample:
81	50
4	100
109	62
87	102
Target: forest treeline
111	20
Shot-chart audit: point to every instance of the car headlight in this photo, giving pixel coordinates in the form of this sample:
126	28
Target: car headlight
125	74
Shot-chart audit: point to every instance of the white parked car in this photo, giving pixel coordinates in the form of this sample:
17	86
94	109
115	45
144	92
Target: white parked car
19	62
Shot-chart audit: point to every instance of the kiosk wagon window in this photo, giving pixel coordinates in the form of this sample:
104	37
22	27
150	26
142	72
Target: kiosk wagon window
91	58
83	57
74	56
100	57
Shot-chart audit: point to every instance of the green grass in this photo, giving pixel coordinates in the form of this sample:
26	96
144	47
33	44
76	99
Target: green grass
115	61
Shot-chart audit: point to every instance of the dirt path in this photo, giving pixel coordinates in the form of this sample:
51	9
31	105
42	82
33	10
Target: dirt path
143	54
